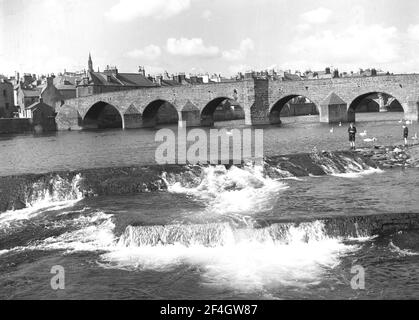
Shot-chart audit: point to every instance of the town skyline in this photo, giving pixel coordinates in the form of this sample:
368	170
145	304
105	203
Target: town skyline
226	38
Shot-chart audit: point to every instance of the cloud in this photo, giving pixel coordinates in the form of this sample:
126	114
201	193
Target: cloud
207	15
127	10
303	27
317	16
246	46
233	70
371	45
191	47
154	70
413	32
151	52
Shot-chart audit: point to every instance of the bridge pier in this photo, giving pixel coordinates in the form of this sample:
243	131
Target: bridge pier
132	119
411	109
207	120
68	118
334	110
275	117
261	120
190	115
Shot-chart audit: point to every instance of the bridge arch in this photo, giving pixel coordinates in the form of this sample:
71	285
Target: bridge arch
159	111
102	115
209	115
283	104
383	102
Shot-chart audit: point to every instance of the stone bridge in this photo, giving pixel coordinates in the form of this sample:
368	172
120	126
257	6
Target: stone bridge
261	100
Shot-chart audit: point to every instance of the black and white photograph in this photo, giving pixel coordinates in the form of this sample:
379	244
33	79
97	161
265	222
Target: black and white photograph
232	152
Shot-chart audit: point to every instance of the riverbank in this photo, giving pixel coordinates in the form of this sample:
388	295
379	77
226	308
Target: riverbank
393	156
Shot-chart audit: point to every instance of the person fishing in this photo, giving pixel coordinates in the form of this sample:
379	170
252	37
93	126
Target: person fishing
405	134
352	133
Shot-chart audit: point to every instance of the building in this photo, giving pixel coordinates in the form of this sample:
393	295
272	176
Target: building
66	83
325	74
28	95
42	115
110	80
7	105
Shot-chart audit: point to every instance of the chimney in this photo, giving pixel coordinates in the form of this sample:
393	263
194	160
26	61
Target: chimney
248	75
141	70
336	73
327	70
182	78
50	81
194	79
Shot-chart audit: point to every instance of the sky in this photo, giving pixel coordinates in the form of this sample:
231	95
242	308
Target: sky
215	36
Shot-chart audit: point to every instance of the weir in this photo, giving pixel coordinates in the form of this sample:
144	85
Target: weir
283	232
21	191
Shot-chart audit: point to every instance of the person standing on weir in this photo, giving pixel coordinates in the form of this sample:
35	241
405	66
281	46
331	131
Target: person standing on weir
405	134
352	133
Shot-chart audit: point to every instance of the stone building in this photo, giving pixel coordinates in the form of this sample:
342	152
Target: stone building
110	80
27	96
7	105
43	116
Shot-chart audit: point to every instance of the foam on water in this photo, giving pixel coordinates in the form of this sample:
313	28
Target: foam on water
56	190
233	190
244	259
345	167
360	174
401	252
95	232
56	194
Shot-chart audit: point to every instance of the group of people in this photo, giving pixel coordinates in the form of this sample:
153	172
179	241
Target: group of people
352	135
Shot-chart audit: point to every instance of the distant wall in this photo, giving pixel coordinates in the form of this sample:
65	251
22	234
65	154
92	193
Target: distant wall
299	109
167	114
228	115
40	123
16	125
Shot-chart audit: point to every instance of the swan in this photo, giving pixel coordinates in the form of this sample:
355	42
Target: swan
401	121
363	134
409	122
340	124
331	130
415	137
370	140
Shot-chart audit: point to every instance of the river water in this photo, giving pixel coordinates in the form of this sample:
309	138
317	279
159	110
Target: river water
226	233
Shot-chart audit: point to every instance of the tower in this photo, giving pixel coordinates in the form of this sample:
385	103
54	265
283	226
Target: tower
90	63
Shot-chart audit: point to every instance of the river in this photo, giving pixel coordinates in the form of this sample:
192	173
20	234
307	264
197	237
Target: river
212	232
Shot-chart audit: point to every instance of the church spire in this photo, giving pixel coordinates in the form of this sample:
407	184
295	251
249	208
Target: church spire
90	63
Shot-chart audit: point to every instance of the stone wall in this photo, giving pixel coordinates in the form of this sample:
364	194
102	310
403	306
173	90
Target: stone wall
257	96
15	125
299	109
6	99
